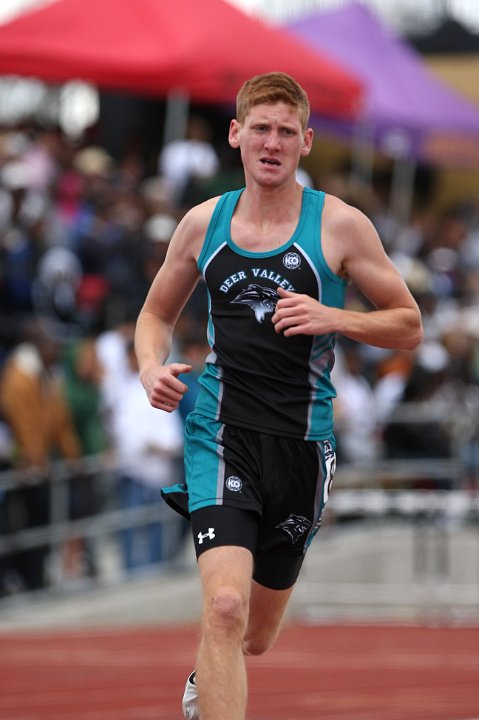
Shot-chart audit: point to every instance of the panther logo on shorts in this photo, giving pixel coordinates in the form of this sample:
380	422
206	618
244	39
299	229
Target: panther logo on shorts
295	526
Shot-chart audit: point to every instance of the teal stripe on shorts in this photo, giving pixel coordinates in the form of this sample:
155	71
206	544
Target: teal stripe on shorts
204	464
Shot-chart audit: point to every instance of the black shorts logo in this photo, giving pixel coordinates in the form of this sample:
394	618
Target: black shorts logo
295	526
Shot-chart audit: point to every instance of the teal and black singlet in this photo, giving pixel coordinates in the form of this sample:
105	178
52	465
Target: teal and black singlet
255	378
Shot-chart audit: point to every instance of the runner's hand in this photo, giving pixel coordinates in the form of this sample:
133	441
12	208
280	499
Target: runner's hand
162	386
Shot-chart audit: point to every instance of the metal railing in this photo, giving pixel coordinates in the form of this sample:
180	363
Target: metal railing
379	488
104	523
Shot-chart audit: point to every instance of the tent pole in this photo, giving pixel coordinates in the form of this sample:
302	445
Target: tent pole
362	155
402	189
176	116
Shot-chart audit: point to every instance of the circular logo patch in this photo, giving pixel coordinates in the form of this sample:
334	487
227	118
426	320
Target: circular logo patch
292	261
234	484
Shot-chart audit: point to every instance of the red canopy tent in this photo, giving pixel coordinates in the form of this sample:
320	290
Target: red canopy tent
205	48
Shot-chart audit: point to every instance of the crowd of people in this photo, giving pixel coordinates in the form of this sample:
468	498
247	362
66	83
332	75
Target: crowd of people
82	235
81	238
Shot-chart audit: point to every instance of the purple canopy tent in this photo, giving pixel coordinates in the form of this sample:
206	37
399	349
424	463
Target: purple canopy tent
408	113
406	105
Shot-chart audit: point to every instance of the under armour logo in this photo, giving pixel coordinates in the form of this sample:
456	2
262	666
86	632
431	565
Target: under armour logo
210	534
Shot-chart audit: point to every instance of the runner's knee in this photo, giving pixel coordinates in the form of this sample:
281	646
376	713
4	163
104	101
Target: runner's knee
226	611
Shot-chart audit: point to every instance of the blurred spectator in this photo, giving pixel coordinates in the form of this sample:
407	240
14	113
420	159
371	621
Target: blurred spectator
461	341
111	349
418	428
95	165
392	374
462	353
228	176
55	287
94	235
83	374
32	399
6	455
83	377
355	412
157	197
158	231
147	445
129	172
22	243
67	197
41	156
193	156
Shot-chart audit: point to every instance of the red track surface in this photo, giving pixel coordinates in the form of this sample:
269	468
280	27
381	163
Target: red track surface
323	673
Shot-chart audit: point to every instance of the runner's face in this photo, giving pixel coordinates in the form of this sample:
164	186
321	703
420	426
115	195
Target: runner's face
272	142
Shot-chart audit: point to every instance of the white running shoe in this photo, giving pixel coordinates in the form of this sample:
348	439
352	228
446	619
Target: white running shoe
190	699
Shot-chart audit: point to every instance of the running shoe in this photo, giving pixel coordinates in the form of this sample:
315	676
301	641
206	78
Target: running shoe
190	699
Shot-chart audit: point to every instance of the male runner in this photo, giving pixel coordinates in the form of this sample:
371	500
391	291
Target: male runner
260	449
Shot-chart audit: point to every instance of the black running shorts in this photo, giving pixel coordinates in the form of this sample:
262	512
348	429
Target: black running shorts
257	491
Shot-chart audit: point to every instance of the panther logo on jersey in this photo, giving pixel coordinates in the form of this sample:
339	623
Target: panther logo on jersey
295	526
262	300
